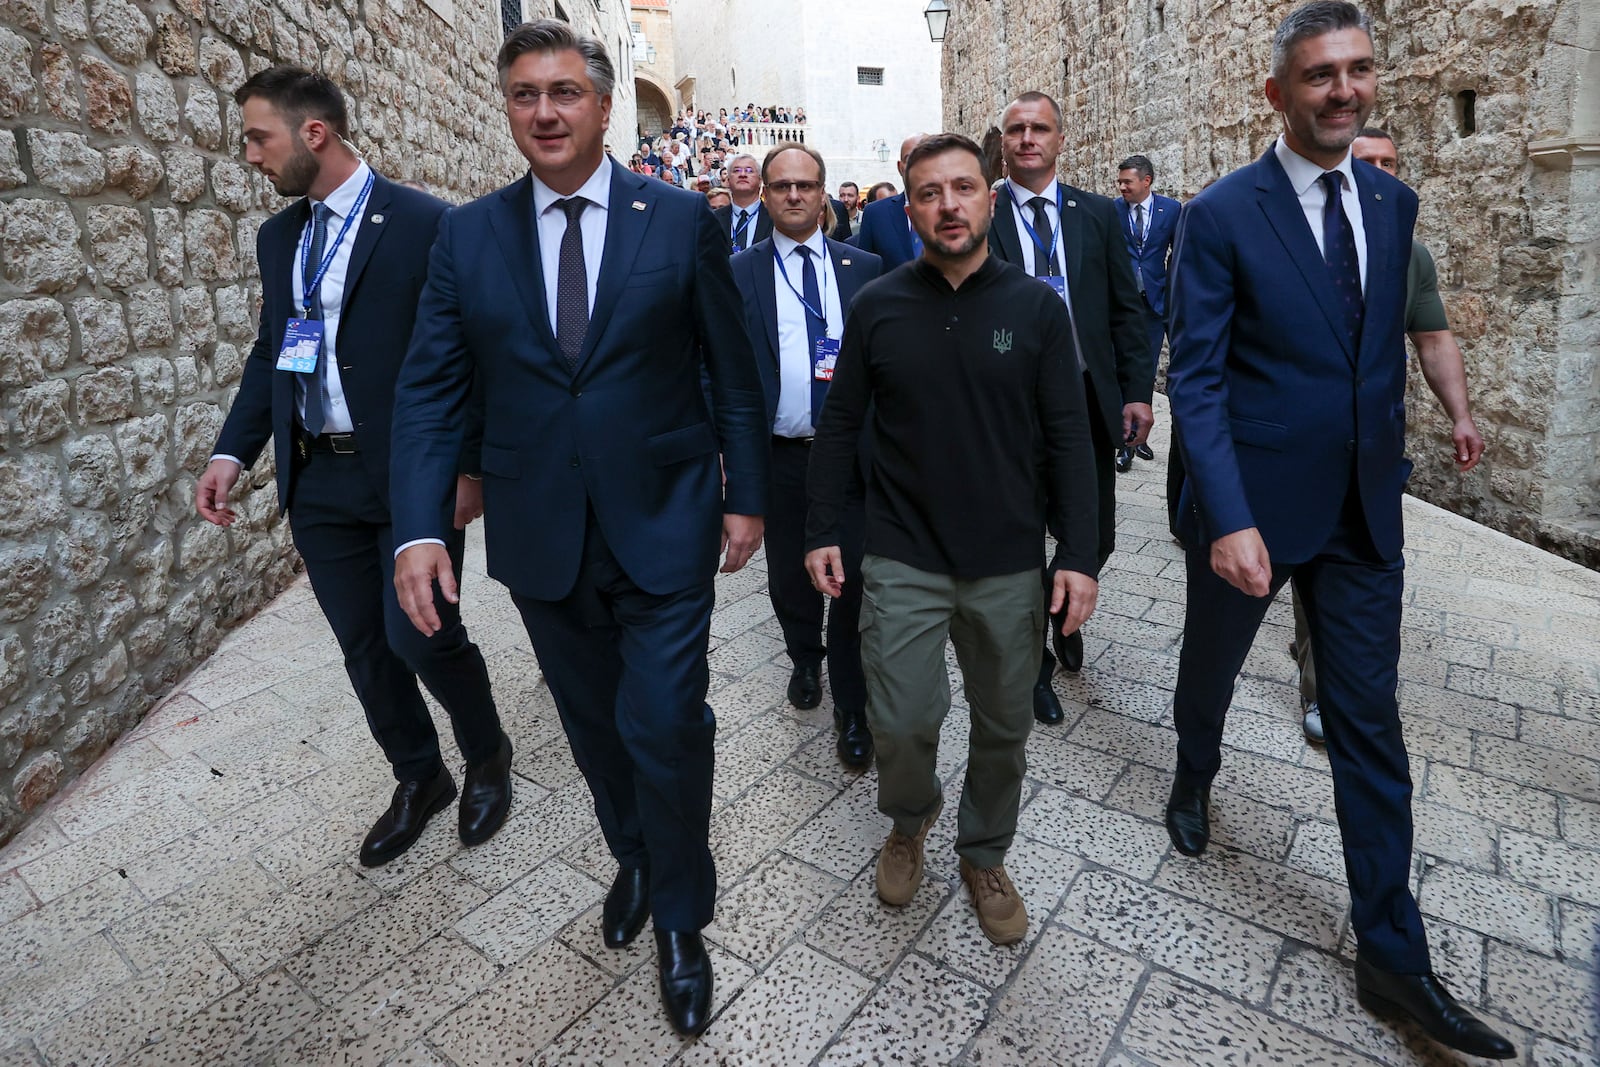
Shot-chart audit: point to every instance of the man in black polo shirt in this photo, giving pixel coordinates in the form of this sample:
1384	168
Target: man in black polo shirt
962	360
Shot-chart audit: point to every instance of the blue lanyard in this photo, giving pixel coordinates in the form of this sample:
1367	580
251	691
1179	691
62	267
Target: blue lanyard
1038	245
820	317
315	283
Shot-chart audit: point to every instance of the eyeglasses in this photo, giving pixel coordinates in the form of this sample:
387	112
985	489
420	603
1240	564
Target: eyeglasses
562	96
784	188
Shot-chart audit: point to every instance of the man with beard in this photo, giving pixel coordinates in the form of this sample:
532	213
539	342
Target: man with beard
341	271
976	420
611	486
1288	381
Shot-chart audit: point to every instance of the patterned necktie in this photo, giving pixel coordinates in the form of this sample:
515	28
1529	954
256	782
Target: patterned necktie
572	285
1042	265
1339	250
1138	225
316	407
740	230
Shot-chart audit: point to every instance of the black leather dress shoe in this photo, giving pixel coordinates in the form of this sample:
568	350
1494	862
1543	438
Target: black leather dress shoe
1046	708
685	980
805	686
1124	459
397	829
1189	817
1143	452
855	739
486	796
626	908
1069	649
1424	1000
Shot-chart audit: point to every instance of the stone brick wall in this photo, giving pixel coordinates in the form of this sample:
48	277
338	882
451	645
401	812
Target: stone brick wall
1510	208
128	302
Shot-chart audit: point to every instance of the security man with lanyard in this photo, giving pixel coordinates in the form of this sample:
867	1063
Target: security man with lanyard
1071	240
798	286
341	271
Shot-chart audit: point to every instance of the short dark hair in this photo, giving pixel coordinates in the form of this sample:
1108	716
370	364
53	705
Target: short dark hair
1313	20
553	35
795	146
298	94
1138	163
852	185
938	145
1374	131
1033	96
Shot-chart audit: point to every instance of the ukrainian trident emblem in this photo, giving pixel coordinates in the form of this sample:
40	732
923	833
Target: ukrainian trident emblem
1002	341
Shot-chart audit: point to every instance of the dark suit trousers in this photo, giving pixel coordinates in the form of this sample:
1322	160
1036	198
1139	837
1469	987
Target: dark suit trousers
798	606
629	676
1353	604
342	530
1105	465
1155	328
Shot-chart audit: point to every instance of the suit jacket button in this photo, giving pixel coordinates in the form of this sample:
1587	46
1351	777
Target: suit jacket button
573	462
1349	446
576	393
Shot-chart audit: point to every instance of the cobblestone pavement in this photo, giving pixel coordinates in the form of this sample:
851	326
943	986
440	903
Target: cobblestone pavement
195	897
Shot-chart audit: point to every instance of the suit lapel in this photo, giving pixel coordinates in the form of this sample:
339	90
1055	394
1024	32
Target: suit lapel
1288	220
625	227
1071	235
1004	228
518	238
902	224
369	233
1377	219
766	294
848	273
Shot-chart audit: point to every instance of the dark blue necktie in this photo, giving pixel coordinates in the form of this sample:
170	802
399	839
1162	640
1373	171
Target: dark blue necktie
572	285
740	230
1339	250
816	329
316	411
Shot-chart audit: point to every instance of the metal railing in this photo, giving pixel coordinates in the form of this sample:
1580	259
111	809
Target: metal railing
766	133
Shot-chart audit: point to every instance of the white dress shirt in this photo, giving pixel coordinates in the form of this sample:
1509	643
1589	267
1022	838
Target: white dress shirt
1306	178
336	413
1020	195
1145	206
1020	210
552	222
795	358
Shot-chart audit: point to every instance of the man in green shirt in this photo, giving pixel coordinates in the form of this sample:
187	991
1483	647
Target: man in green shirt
1442	369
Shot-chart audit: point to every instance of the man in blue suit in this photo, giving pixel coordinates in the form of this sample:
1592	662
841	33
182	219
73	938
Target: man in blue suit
885	228
341	269
797	288
1288	387
575	310
1149	223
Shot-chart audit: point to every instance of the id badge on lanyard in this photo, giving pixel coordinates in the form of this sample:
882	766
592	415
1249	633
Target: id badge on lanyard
825	357
302	343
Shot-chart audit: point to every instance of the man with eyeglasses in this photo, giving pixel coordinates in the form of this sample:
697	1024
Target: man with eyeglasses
744	221
798	286
606	505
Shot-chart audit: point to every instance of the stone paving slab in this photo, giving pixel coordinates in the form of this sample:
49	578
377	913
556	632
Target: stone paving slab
195	898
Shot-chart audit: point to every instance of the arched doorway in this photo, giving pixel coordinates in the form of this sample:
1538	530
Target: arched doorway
655	108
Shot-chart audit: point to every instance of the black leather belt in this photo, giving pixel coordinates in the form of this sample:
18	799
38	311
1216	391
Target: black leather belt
343	444
779	439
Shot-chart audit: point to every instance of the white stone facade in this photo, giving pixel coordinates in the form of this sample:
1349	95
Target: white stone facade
807	54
